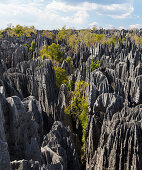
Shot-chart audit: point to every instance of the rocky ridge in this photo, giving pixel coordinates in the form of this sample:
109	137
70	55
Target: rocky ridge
33	126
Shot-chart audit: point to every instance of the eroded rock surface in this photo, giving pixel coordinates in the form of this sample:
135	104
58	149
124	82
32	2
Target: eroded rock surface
33	126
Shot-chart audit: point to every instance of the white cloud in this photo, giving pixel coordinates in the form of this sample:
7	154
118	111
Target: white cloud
121	28
109	27
80	17
93	24
136	26
57	13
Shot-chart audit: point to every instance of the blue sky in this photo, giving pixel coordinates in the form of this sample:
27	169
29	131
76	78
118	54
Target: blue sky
52	14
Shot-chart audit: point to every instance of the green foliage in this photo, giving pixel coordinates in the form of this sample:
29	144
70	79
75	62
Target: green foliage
94	28
77	107
44	52
39	66
114	40
20	30
83	120
85	36
61	77
140	40
111	40
136	38
123	40
53	52
29	30
88	37
26	45
73	42
100	38
70	85
64	34
48	34
32	48
1	33
69	60
95	65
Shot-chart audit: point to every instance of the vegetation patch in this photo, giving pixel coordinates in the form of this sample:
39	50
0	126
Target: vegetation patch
95	65
48	34
32	48
61	77
19	30
69	60
53	52
77	107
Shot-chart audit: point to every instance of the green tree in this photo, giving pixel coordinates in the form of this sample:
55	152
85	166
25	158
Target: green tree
53	52
18	30
78	107
32	48
64	34
48	34
73	42
1	33
28	30
70	85
95	65
44	52
69	60
100	38
112	40
61	77
84	36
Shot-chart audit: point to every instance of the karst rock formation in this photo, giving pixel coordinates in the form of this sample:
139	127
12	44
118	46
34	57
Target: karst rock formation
36	134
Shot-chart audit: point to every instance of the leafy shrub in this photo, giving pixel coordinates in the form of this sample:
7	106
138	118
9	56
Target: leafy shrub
64	34
100	38
20	30
29	30
26	45
77	107
69	60
112	40
1	33
53	52
95	65
70	85
73	42
83	120
44	52
32	48
48	34
61	77
136	38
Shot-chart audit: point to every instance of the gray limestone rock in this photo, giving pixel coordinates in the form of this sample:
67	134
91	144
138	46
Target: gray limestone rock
109	101
119	146
30	104
100	81
4	154
22	128
58	148
35	78
26	165
62	101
